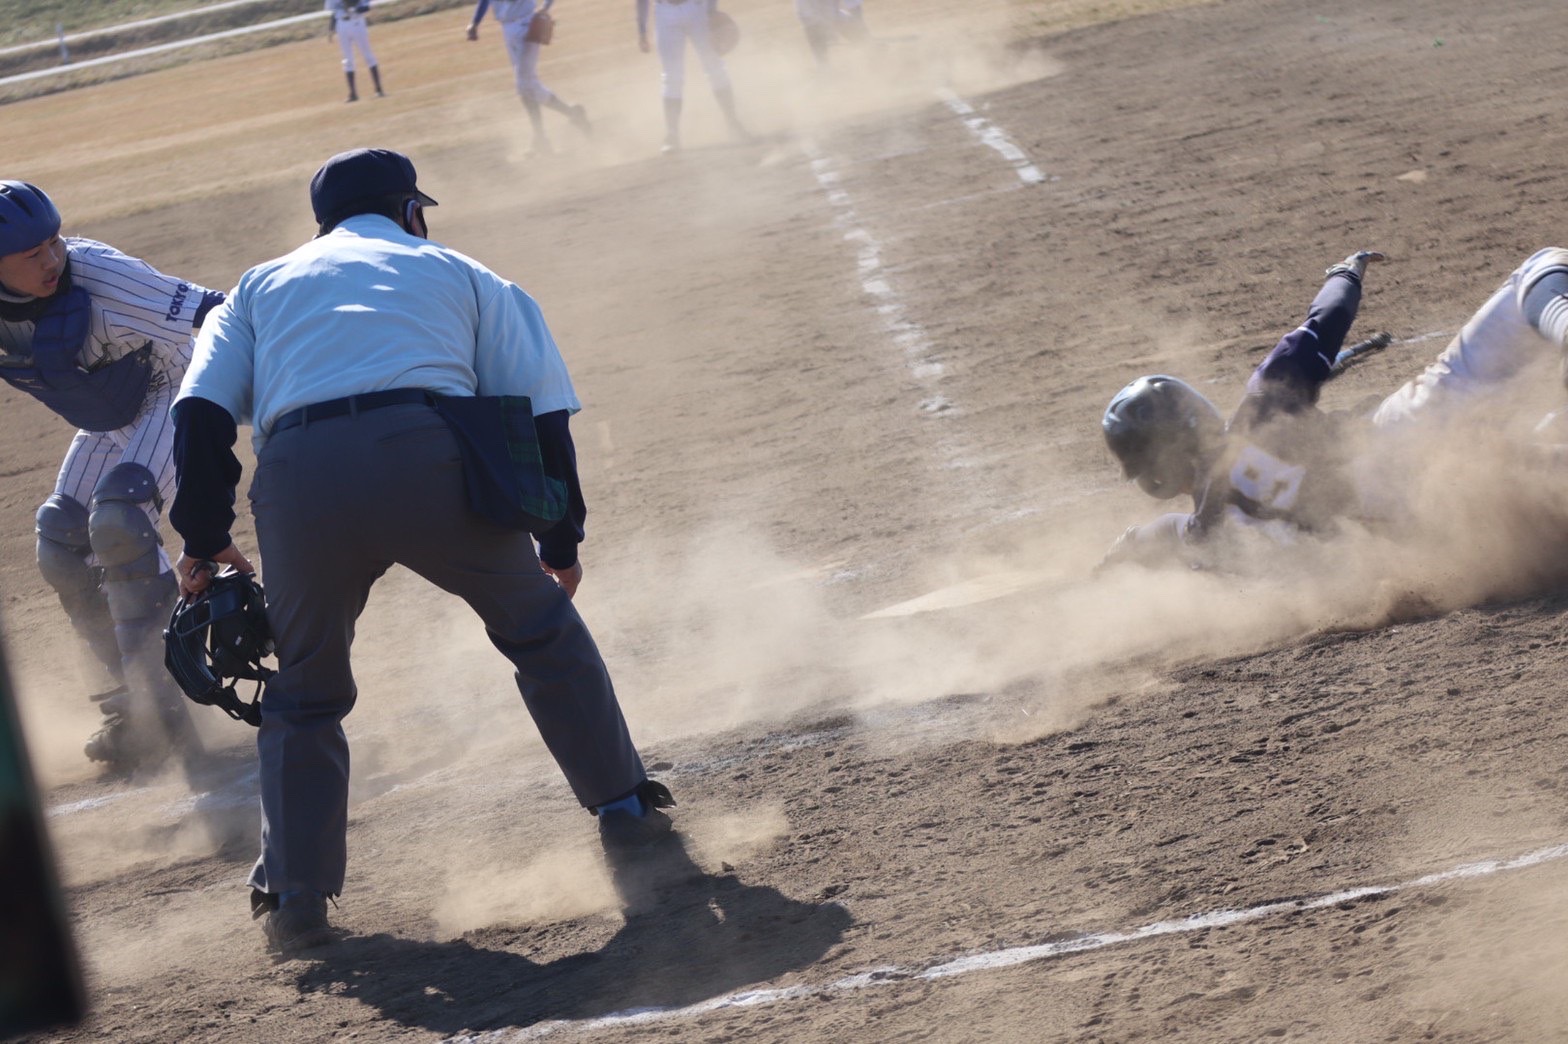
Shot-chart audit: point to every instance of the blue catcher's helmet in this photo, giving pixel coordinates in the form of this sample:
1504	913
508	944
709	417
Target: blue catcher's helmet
1162	430
27	217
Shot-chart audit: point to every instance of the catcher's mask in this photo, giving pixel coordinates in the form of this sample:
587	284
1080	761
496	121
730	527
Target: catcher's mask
220	634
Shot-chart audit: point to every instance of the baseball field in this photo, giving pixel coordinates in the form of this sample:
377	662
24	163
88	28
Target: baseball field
840	444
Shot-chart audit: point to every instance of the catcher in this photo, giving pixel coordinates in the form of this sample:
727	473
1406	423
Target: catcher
102	340
1281	468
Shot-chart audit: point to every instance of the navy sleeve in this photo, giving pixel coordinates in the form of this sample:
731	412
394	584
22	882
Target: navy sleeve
479	12
1291	378
210	300
558	544
206	474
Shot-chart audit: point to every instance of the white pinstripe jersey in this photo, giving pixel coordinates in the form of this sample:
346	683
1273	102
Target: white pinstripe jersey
345	11
133	304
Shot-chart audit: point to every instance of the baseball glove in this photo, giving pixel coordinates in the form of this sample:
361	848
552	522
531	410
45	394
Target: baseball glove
540	29
723	31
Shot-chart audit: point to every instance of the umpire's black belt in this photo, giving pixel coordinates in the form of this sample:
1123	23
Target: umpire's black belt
351	404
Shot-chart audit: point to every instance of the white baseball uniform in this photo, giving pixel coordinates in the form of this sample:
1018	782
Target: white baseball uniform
353	31
133	306
1508	333
826	13
676	22
515	16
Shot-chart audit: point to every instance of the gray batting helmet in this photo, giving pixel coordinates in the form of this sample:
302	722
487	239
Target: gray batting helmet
1162	429
27	217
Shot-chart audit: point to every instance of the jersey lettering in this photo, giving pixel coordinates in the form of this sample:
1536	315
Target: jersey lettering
1266	480
177	301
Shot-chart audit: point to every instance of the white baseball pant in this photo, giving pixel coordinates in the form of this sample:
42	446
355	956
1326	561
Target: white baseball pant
525	61
675	24
147	441
825	13
352	33
1525	321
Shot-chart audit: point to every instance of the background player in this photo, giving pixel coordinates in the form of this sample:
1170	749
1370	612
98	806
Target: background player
1281	467
102	340
825	20
347	22
676	22
515	17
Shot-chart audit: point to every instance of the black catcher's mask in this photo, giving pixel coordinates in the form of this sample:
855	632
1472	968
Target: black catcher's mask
221	634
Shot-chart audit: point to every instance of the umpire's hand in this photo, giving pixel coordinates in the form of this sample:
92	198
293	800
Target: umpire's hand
196	573
568	578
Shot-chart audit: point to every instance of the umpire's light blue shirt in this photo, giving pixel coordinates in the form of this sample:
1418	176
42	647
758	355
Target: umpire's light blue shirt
365	308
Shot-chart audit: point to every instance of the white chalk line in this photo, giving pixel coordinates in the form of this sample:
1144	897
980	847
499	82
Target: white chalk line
88	804
993	137
141	23
173	45
237	793
1013	956
1419	338
920	354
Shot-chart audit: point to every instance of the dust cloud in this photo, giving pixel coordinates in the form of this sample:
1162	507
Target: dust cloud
1490	962
568	881
733	632
557	884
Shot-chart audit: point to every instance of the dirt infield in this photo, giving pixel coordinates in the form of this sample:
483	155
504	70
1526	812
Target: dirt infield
846	486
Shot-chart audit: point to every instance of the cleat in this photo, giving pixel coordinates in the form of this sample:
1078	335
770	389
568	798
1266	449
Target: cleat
296	925
1355	264
1349	356
635	821
623	831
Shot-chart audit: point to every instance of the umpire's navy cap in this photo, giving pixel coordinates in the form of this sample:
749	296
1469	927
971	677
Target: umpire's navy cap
359	175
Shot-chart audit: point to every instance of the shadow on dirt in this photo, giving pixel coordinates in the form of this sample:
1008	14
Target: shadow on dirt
689	936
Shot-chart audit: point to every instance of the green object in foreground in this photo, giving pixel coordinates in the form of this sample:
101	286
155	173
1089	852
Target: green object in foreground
40	976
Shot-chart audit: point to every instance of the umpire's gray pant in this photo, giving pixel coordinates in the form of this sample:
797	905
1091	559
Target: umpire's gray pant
336	503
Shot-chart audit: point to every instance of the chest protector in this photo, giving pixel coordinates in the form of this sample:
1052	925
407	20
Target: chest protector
103	399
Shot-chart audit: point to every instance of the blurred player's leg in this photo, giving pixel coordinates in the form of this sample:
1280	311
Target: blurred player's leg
713	65
531	89
852	21
670	32
816	18
140	588
361	38
346	45
1525	320
525	69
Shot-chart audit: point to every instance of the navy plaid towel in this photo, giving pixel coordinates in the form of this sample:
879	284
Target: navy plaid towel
502	469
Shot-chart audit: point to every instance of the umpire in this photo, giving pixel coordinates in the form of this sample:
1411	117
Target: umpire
330	353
